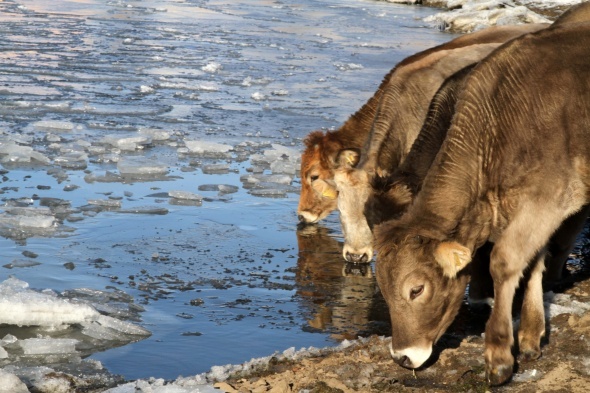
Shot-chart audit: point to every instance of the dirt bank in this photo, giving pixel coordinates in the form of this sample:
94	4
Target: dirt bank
366	366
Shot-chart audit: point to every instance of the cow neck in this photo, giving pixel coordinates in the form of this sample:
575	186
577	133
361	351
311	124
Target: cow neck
358	126
449	197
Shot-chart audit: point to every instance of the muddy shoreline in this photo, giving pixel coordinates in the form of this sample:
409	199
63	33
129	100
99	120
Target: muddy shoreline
366	366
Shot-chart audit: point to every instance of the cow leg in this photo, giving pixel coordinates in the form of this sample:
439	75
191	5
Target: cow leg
532	315
525	236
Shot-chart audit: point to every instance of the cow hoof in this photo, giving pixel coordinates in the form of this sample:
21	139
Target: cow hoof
498	375
529	355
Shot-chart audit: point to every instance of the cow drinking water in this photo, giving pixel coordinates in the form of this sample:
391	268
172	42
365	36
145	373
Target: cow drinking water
514	165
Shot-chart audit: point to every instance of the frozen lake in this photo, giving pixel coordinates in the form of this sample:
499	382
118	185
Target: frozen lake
148	155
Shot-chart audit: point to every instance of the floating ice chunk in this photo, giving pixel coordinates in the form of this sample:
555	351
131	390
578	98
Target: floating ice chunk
204	86
24	307
215	168
258	96
145	210
120	326
96	150
155	134
269	192
278	152
11	383
108	177
255	179
281	92
54	125
143	89
13	153
46	346
221	188
21	263
73	160
185	195
52	138
210	149
140	166
105	202
39	221
285	167
3	355
127	143
348	66
28	211
212	67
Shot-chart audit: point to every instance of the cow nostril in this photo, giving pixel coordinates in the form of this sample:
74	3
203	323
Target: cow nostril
401	360
404	361
300	218
356	258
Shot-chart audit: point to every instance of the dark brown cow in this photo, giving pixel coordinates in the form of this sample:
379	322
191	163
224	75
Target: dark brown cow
514	165
318	192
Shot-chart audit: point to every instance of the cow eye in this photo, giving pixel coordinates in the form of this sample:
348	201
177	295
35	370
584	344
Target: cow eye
416	291
314	178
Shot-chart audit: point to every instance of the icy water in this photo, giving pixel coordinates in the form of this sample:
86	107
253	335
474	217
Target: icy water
107	111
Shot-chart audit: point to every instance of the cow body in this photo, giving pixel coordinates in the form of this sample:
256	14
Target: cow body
514	165
319	159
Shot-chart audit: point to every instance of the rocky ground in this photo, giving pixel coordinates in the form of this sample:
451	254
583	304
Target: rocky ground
366	366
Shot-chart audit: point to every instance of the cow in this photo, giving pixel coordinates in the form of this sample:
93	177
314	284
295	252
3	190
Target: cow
514	165
400	117
364	202
318	160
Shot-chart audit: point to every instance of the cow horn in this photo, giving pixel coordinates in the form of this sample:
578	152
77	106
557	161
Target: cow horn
452	257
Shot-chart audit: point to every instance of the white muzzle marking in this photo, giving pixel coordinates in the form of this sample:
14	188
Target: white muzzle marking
416	355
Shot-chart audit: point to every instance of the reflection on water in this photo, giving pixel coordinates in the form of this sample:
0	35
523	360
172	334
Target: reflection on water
342	297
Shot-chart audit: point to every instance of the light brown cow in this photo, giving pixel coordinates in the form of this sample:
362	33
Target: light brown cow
514	165
400	117
318	191
365	202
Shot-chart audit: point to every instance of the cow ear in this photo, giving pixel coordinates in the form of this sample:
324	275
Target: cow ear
348	158
452	257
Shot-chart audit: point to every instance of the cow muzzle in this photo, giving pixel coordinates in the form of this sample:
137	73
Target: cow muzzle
412	357
306	217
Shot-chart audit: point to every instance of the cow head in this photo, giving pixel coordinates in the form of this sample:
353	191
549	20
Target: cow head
318	191
364	200
423	282
354	189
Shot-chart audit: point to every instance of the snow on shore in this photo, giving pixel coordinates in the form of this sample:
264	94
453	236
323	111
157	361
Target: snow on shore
470	15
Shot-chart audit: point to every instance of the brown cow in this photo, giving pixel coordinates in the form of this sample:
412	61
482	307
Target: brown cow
401	115
364	202
318	192
514	165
